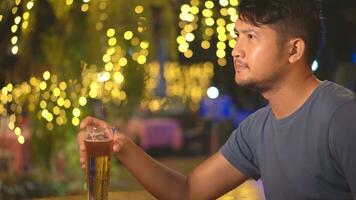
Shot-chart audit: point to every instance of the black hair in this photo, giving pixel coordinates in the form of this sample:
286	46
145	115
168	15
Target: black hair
290	18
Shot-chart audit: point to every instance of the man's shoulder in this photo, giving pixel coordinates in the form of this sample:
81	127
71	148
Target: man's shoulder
335	93
258	116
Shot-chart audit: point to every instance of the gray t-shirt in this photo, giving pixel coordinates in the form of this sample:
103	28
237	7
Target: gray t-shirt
307	155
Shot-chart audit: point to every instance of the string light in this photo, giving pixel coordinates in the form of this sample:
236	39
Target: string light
217	18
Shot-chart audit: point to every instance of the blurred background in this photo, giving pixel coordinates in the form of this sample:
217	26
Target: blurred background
158	70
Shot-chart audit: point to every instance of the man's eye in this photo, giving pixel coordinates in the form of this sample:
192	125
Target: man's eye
250	36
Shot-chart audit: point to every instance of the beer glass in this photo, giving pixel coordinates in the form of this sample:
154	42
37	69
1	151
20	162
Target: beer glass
98	143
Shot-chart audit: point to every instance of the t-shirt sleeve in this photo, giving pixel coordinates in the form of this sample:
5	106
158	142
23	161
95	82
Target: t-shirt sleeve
238	152
342	142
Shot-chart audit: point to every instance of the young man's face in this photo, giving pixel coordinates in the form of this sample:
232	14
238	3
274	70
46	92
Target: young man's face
259	59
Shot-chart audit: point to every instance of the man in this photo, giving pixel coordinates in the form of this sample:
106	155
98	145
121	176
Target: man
300	145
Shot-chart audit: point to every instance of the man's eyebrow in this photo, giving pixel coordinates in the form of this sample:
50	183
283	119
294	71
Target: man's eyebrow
245	31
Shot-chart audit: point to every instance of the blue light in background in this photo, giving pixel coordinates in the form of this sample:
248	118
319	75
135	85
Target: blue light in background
354	58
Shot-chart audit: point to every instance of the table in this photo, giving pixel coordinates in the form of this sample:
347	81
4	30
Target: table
122	195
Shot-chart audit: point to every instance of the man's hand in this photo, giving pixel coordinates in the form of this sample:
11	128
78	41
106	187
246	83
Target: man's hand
88	121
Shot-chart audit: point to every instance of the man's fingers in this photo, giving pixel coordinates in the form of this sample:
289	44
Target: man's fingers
93	121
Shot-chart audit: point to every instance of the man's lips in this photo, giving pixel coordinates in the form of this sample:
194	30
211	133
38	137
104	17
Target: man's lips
239	65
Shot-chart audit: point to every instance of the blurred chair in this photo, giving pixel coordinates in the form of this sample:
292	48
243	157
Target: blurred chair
156	133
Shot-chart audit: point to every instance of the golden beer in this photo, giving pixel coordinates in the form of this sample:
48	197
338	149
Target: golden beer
98	168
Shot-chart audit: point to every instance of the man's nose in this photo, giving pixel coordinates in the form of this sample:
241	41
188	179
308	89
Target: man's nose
238	51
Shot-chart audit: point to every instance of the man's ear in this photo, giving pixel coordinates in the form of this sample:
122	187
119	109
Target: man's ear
296	49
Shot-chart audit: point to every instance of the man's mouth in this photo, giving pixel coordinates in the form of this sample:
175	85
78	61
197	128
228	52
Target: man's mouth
239	65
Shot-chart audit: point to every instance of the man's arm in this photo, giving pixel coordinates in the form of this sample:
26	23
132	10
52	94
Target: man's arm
209	180
342	142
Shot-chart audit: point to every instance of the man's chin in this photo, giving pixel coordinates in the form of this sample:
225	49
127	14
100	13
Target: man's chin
246	83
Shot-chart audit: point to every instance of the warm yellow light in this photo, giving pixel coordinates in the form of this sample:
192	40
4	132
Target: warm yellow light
224	2
128	35
154	105
11	125
76	112
106	58
17	20
135	41
103	76
222	37
60	101
82	101
56	110
110	32
122	61
188	28
93	93
110	51
49	126
222	61
49	117
14	10
209	31
24	24
232	43
44	113
194	10
233	2
84	7
1	16
75	121
59	120
118	77
185	8
180	39
30	5
209	4
56	92
21	139
46	75
205	44
220	22
139	9
232	11
221	45
26	15
220	53
17	131
207	13
141	59
43	104
43	85
209	21
144	44
14	40
109	66
112	41
67	103
183	47
63	85
9	87
188	53
69	2
223	12
15	49
189	37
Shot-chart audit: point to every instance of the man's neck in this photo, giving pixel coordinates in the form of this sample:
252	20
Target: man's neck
290	95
